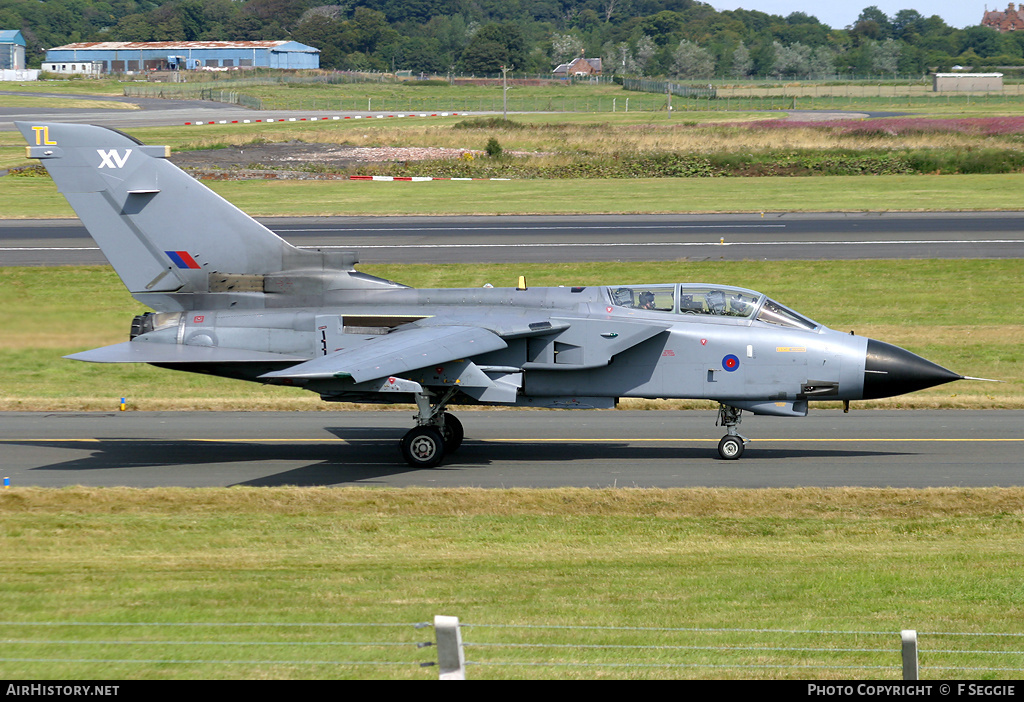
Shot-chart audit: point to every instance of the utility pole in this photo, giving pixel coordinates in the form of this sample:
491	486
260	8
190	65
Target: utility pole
504	91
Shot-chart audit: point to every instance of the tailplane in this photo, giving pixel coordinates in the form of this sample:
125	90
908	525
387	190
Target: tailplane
165	233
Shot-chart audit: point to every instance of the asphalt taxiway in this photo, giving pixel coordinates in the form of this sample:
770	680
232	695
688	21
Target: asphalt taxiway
508	448
674	237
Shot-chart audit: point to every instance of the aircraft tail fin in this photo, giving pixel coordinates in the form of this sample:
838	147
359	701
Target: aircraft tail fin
163	231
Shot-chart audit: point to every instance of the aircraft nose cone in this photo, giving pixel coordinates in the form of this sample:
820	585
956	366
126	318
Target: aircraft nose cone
890	370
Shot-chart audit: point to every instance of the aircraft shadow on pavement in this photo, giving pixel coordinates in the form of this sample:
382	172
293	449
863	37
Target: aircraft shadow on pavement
178	460
370	456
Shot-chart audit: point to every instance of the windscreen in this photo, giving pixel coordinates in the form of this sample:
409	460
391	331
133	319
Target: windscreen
774	313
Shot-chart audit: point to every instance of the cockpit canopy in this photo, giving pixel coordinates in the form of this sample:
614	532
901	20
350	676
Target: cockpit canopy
708	300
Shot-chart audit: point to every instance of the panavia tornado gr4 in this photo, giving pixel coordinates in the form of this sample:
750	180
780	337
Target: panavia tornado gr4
233	299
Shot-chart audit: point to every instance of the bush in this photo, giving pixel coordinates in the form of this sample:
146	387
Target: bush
686	165
488	123
493	148
28	172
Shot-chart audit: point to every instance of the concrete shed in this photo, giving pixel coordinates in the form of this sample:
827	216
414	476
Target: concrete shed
140	56
967	82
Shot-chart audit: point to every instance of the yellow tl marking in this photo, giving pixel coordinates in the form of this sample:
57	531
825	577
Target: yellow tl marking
43	136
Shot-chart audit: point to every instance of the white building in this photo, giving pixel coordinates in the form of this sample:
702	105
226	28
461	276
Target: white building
84	68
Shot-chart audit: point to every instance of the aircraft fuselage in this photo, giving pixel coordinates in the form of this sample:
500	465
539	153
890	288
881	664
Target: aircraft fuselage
565	346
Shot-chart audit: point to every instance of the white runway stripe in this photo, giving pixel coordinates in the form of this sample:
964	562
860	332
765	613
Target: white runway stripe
593	244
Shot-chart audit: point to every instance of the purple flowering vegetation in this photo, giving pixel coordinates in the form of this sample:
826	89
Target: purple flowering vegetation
896	126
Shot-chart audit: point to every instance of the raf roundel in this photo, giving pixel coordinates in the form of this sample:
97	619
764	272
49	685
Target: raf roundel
730	363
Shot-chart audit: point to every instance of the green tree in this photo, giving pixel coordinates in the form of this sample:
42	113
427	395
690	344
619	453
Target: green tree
663	27
133	28
285	13
420	55
984	41
792	60
885	56
493	46
452	36
690	61
907	25
762	53
178	20
484	56
333	38
873	23
565	47
245	26
823	62
742	64
370	29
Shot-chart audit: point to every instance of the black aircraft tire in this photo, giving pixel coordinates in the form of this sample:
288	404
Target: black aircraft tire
452	432
730	448
423	447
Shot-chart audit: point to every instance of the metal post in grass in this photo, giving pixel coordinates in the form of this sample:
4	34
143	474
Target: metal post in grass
450	655
909	651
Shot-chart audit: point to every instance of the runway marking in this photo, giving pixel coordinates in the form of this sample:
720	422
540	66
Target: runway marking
538	229
753	440
633	440
636	244
610	244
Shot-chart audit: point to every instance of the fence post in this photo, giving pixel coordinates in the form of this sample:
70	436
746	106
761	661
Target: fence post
450	655
909	650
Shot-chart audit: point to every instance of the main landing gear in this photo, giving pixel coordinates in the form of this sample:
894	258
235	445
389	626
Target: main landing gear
731	446
437	433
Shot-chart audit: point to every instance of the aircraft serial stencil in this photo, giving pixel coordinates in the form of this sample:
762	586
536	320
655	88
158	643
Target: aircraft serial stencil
232	299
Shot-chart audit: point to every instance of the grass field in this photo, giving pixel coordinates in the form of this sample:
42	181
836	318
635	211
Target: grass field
52	102
37	198
848	568
605	98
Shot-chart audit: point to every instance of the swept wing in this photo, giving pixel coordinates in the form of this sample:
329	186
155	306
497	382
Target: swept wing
397	353
142	352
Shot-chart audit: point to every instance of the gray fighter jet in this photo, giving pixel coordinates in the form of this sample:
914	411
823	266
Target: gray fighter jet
233	299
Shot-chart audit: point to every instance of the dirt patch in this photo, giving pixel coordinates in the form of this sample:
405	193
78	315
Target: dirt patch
299	160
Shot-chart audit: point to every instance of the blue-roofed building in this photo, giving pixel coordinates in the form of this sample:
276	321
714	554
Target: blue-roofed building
12	49
140	56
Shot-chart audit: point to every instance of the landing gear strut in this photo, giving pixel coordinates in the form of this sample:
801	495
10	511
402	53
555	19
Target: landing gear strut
731	446
436	434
